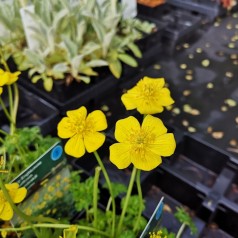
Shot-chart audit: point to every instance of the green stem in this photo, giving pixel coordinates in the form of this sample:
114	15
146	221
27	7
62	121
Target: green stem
138	184
95	195
109	204
180	231
128	195
55	226
7	114
3	132
13	120
15	103
110	190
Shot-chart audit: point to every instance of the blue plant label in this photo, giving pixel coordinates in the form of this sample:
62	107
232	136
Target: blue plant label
56	152
155	219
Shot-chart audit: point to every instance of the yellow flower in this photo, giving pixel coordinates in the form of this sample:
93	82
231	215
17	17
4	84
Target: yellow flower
83	131
12	77
148	96
71	232
17	195
158	234
143	145
7	78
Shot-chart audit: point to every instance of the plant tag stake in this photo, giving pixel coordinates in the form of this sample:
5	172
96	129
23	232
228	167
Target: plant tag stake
155	219
47	182
130	8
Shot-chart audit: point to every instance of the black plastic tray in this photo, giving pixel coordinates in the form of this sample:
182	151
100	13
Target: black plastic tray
33	111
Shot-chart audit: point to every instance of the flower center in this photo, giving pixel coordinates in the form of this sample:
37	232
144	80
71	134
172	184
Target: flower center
148	91
140	140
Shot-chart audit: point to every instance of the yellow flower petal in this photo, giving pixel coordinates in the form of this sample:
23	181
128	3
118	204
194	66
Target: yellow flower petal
120	155
97	120
164	145
75	146
1	90
7	212
65	129
4	78
146	161
13	77
93	141
18	195
12	186
77	113
154	125
125	127
165	98
129	100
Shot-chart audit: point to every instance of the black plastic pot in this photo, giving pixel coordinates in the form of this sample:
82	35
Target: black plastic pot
68	97
176	193
33	111
211	9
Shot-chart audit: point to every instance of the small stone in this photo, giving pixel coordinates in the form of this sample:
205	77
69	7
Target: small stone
189	71
216	24
230	102
186	92
231	45
207	45
185	123
186	45
176	110
209	129
234	56
229	74
189	77
224	108
183	66
236	119
190	56
229	26
235	62
105	108
210	85
199	50
195	112
157	66
192	129
217	134
233	142
205	63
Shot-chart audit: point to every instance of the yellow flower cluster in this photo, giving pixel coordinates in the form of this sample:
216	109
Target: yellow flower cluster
142	145
158	234
17	195
7	78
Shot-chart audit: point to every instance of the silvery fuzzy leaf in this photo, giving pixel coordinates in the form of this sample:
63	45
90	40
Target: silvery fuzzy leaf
47	83
75	63
135	49
59	16
99	29
115	68
85	79
61	67
71	46
107	41
97	63
89	48
127	59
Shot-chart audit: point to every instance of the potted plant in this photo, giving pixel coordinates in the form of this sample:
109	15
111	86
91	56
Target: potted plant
95	47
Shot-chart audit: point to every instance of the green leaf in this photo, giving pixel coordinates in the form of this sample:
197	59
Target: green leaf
97	63
115	68
47	83
127	59
36	78
135	49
